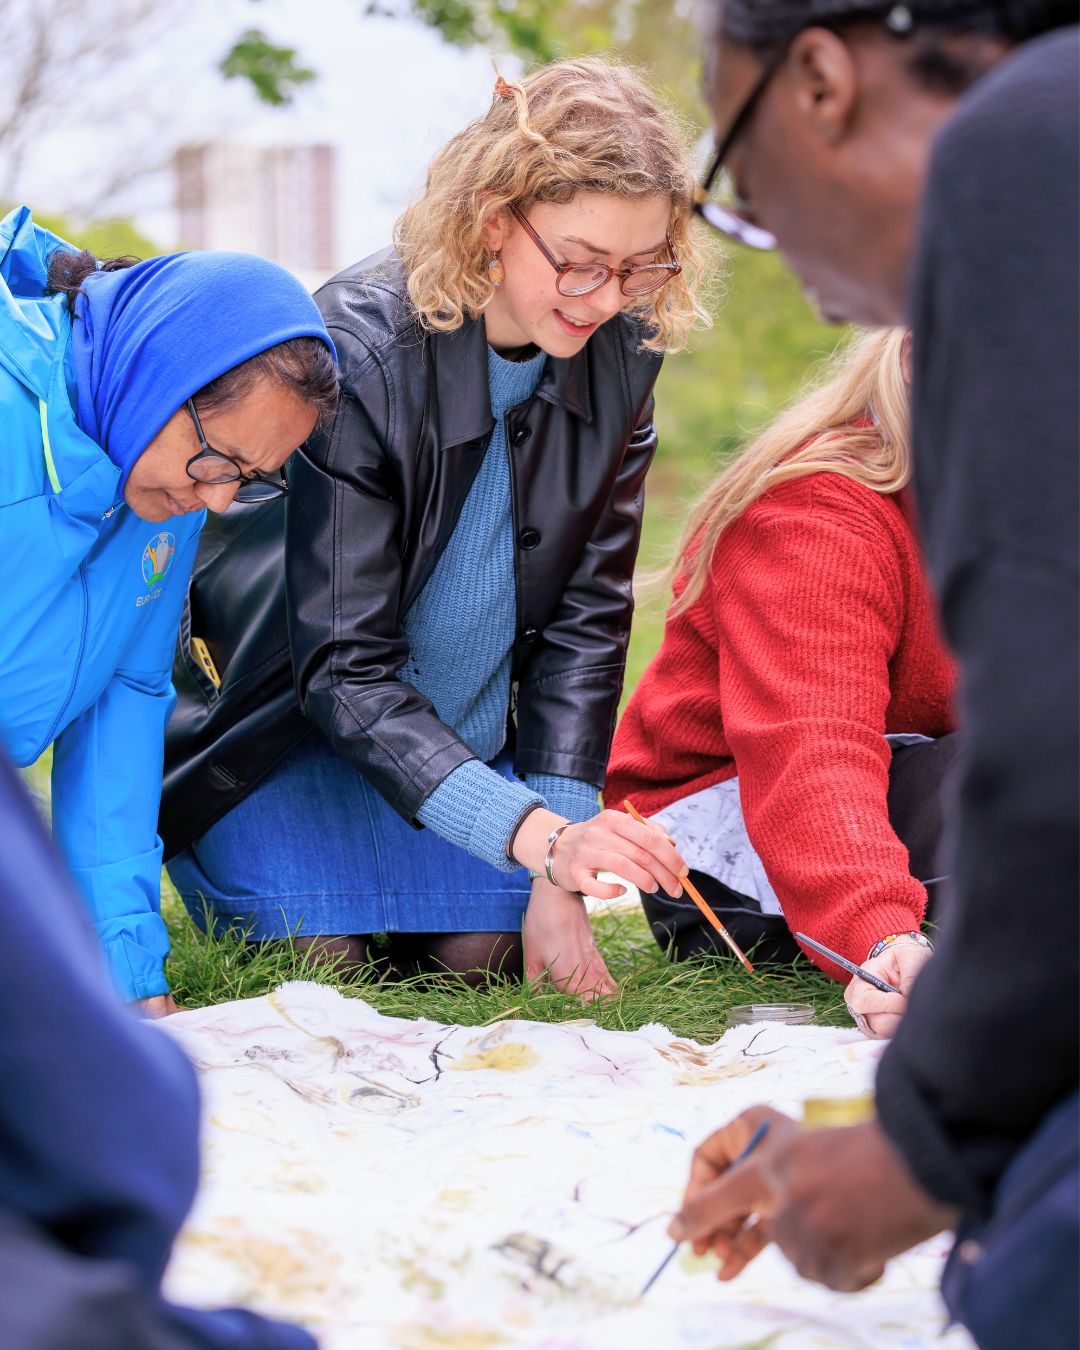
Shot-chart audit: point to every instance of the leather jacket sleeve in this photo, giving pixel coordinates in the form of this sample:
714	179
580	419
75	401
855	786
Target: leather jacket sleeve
343	574
569	687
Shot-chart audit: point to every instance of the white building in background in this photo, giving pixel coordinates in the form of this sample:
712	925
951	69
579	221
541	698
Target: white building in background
279	201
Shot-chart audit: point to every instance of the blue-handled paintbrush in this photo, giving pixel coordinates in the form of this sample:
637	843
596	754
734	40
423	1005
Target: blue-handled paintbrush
849	966
751	1144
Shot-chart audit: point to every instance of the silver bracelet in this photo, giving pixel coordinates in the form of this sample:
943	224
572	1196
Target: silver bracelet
549	856
884	943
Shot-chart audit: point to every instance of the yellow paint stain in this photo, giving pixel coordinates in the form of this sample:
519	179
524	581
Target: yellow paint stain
690	1079
457	1202
274	1272
509	1057
416	1336
691	1264
695	1069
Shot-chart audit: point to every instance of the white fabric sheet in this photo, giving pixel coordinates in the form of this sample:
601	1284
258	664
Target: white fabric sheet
410	1186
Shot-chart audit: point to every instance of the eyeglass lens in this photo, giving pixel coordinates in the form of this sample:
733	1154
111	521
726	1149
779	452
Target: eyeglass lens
212	468
582	280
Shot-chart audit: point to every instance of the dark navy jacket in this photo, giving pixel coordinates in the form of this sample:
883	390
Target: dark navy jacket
99	1117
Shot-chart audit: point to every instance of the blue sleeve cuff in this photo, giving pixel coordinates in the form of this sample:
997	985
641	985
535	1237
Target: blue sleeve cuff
477	809
569	797
124	901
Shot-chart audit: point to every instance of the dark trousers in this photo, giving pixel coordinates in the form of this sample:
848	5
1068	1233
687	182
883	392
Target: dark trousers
916	776
1012	1281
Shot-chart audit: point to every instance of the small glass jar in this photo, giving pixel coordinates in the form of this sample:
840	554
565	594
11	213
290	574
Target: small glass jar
790	1014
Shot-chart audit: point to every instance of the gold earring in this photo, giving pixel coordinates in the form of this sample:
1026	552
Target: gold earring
496	271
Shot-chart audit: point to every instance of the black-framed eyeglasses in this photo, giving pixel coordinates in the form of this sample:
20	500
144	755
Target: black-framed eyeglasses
581	278
716	199
214	466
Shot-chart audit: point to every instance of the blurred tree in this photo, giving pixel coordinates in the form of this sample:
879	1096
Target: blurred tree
113	238
274	72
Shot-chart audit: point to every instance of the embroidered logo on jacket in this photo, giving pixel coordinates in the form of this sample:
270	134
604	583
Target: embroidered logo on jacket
157	558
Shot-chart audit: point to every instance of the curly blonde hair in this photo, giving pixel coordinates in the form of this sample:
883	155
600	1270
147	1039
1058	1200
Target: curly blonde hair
854	422
583	125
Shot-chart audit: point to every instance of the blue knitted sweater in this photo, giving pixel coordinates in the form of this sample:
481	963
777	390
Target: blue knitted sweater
461	630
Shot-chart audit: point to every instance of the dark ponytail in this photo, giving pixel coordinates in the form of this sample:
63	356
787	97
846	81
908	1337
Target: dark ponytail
303	365
68	269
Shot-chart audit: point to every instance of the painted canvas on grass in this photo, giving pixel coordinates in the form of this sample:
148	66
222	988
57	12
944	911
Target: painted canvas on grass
403	1185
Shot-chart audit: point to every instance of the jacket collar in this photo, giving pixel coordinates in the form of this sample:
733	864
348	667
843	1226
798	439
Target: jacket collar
459	361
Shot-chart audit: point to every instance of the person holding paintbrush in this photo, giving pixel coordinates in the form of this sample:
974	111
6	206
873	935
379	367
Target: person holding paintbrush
793	730
457	561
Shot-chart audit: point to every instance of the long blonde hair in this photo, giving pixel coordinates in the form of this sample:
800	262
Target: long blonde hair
820	432
584	125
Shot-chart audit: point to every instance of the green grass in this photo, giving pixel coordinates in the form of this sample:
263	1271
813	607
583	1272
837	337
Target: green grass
692	999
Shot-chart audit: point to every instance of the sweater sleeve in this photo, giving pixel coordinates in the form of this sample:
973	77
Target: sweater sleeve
807	601
569	797
477	809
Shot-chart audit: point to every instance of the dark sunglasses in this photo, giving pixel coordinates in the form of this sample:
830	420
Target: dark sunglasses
580	279
214	466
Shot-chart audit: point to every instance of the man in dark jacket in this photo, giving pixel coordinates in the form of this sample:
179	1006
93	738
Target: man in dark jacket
99	1124
838	122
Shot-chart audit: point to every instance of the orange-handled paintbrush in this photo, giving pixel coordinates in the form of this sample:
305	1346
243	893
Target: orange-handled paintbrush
698	899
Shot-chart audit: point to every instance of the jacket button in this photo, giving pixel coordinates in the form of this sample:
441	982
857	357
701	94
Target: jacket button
529	538
529	635
520	435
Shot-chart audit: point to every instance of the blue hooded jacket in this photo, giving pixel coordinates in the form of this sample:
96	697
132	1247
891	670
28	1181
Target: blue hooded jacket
89	613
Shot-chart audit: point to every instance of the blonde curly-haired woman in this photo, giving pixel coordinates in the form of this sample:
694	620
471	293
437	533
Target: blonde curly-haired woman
459	552
794	728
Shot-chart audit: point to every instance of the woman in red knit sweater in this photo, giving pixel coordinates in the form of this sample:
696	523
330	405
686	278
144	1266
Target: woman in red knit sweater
793	730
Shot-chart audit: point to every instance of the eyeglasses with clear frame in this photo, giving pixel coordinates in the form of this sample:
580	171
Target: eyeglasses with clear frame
582	278
214	467
716	199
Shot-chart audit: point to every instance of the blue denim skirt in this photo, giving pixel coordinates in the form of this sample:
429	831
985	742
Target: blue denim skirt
316	849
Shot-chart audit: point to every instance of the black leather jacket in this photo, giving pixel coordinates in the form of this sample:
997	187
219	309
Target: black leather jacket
374	501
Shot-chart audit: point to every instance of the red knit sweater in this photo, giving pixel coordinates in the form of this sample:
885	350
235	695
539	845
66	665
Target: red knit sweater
815	636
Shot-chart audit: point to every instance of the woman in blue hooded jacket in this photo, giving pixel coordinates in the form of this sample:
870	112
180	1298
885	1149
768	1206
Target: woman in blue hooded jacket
133	396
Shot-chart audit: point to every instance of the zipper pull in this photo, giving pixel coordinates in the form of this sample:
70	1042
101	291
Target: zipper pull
109	512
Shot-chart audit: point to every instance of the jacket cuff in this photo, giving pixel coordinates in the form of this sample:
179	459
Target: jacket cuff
908	1120
477	809
569	797
135	947
136	942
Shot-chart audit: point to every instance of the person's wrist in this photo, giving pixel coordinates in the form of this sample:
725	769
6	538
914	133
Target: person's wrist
911	939
532	806
530	838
